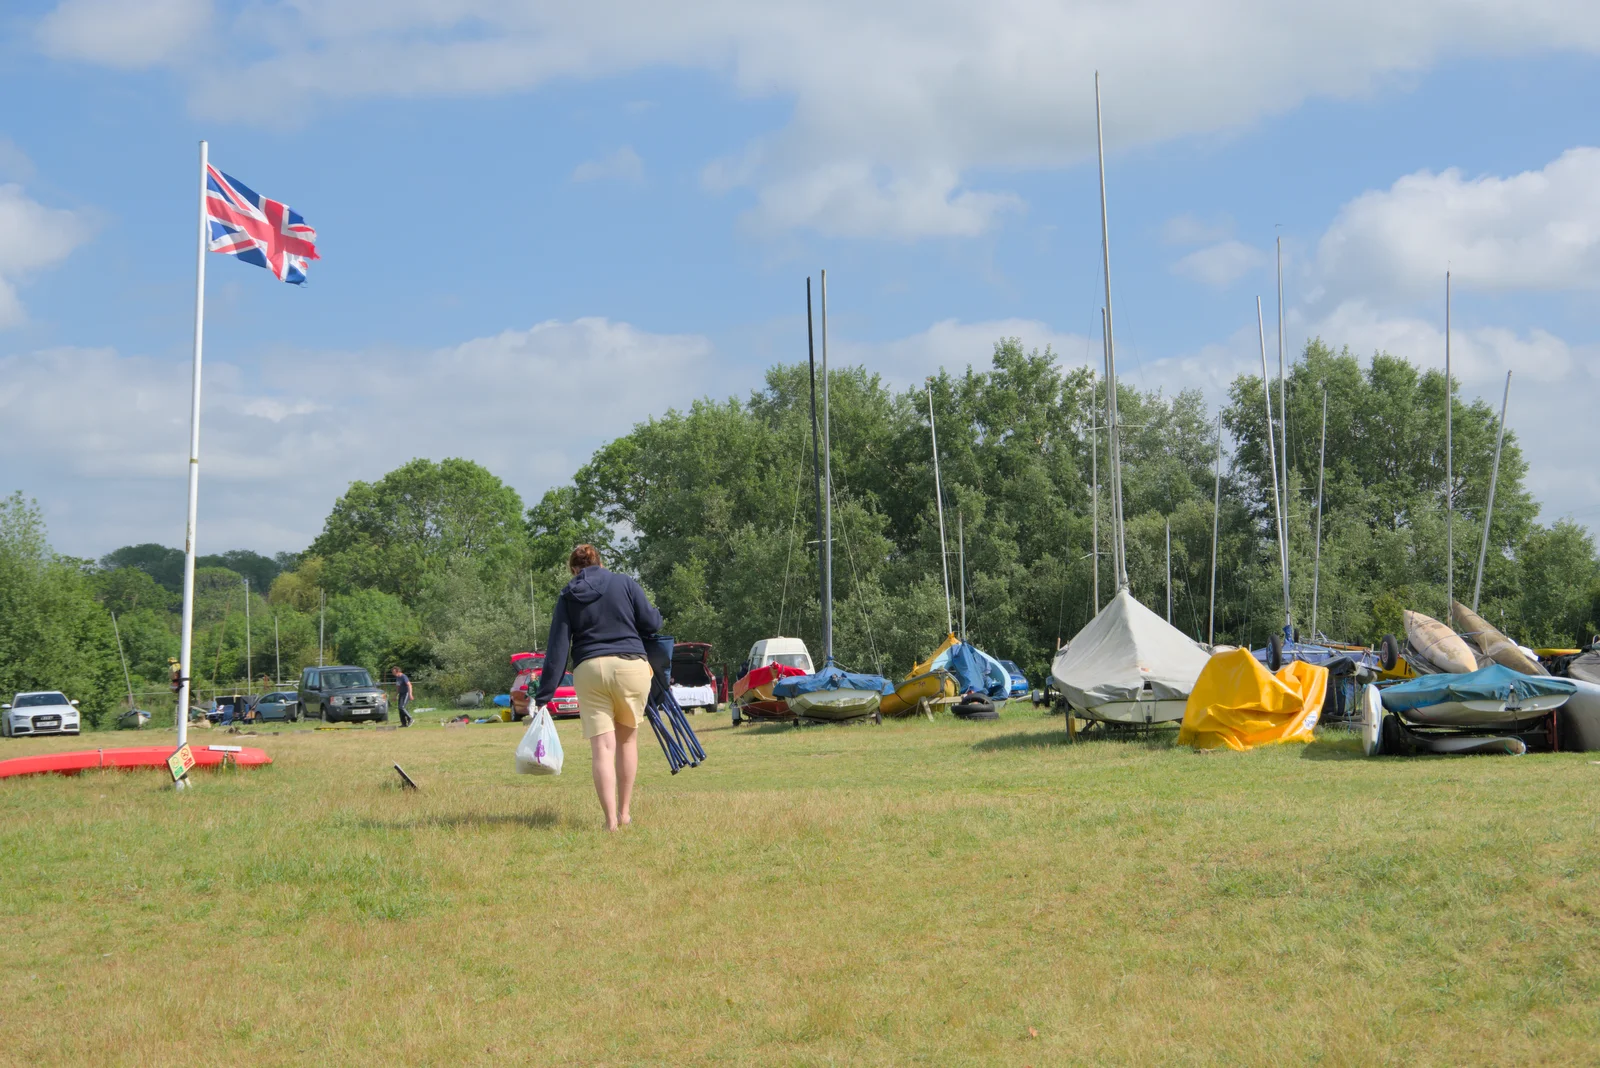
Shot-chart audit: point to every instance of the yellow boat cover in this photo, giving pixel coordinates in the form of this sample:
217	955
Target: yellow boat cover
1237	703
927	665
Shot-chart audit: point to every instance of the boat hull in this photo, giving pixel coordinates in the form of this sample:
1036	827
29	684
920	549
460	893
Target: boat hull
911	692
130	757
1139	712
835	705
1578	723
1485	714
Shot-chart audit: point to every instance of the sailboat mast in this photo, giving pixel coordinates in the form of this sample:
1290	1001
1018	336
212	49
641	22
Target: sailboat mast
1169	572
1216	516
961	537
1494	478
827	493
1449	472
938	495
1316	565
1283	411
816	459
1272	463
1119	546
125	676
1094	474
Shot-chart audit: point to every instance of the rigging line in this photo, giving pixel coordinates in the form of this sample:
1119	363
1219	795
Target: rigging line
799	477
855	577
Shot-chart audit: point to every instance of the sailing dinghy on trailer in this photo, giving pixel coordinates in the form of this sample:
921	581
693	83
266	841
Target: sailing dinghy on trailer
1127	666
832	695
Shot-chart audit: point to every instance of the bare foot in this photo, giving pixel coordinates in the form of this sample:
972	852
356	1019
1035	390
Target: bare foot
625	821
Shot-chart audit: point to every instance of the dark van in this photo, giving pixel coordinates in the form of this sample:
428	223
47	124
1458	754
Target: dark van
341	693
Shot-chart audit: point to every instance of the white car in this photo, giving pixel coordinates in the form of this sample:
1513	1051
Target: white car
39	712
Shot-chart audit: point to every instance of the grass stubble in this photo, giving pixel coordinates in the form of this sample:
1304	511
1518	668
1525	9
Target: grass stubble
942	894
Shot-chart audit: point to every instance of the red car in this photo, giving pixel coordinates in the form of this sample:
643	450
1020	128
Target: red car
530	666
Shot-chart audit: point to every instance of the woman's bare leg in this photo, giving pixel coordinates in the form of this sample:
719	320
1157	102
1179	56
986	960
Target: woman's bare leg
604	758
627	770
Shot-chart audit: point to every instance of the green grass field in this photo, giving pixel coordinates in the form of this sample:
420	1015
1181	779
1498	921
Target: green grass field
918	893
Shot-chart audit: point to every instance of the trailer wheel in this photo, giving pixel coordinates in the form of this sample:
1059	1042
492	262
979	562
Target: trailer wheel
1388	652
1275	652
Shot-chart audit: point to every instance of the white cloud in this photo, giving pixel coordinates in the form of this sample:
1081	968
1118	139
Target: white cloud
128	34
895	103
953	345
623	165
1534	230
1188	229
32	237
102	439
1222	264
1479	356
14	163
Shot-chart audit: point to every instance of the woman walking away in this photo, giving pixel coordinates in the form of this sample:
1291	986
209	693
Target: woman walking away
603	618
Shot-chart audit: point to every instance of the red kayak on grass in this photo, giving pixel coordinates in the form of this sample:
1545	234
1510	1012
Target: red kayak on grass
138	756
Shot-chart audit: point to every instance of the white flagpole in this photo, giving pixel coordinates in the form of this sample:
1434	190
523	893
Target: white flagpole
185	660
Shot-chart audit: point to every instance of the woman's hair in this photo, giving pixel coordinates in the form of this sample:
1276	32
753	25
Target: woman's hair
583	556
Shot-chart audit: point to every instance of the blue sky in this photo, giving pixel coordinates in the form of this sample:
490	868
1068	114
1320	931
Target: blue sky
511	199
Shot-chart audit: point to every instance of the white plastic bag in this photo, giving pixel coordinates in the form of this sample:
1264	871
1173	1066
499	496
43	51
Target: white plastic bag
539	752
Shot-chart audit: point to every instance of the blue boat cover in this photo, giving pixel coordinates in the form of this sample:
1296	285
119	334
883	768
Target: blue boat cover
975	670
831	677
1493	683
1337	661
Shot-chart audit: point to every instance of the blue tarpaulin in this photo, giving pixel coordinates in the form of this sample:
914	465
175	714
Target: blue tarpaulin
1493	683
831	677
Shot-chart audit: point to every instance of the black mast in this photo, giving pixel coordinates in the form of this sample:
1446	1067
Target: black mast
816	458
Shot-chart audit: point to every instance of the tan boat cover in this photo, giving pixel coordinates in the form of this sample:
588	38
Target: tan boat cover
1442	646
1122	649
1491	642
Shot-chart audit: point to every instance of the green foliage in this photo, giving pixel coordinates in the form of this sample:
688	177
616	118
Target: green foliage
419	519
159	562
54	635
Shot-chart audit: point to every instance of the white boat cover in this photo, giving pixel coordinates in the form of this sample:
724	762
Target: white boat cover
1122	649
694	696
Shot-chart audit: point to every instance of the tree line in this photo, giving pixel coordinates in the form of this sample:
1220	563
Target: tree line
440	567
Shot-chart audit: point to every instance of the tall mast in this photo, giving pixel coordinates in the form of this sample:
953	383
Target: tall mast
1316	566
961	539
1272	463
249	678
827	493
1169	571
1494	477
1094	471
1216	516
938	495
1119	546
1449	471
125	676
816	460
1283	411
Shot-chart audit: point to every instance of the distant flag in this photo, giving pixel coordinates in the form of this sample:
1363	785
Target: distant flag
264	232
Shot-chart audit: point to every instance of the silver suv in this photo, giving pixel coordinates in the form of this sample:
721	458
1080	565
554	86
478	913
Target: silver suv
39	712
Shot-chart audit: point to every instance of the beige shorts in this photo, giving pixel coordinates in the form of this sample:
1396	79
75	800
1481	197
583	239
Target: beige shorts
611	693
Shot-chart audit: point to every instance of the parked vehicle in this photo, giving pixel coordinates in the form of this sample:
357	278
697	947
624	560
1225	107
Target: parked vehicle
282	705
39	712
695	685
530	666
341	693
1020	686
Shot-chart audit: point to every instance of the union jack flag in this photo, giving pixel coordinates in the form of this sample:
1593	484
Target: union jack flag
264	232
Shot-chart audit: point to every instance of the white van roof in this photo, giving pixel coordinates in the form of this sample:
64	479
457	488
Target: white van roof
774	646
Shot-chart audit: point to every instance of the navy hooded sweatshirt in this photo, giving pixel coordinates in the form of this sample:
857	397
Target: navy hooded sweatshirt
599	613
